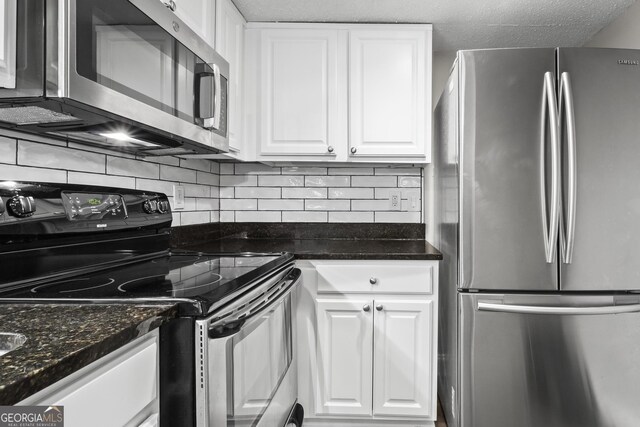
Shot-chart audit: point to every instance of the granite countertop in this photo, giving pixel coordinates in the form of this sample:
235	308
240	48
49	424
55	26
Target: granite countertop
311	240
406	249
64	338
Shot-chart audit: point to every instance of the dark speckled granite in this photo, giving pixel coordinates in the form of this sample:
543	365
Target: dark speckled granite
311	240
64	338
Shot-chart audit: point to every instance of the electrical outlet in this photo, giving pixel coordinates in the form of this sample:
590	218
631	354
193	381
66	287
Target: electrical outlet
395	200
178	197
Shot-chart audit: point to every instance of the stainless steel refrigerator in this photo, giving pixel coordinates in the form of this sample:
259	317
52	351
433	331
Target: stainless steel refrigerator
537	213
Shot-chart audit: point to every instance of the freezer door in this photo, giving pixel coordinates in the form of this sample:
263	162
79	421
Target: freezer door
502	117
604	87
553	361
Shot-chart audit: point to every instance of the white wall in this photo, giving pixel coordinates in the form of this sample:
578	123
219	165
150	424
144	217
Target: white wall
624	32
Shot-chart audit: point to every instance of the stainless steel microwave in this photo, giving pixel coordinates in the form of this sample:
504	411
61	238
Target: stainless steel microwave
121	74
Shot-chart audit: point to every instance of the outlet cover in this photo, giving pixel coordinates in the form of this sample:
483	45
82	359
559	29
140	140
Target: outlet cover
178	197
395	200
413	200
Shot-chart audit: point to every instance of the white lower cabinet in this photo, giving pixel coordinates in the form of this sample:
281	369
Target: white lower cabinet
120	389
367	334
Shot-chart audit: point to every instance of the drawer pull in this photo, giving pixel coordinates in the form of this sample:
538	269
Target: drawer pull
373	281
379	307
366	307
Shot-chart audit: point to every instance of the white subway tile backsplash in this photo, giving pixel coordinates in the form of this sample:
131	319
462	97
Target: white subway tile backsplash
258	193
350	171
327	181
238	204
203	165
238	180
154	185
327	205
129	167
165	160
350	216
383	193
207	178
227	216
196	190
228	192
17	173
226	169
351	193
280	205
189	204
280	181
398	171
409	181
303	170
304	193
207	204
97	179
55	157
215	167
175	221
255	169
374	181
258	216
8	150
177	174
370	205
408	217
188	218
304	216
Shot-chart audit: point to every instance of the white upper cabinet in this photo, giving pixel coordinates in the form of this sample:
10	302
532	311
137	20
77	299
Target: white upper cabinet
339	92
299	92
388	92
199	15
230	44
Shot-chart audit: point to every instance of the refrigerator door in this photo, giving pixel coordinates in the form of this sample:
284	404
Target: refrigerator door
604	87
504	125
549	360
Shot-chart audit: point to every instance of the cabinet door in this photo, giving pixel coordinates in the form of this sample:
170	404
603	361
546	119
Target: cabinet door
299	92
199	15
344	353
402	358
229	43
389	92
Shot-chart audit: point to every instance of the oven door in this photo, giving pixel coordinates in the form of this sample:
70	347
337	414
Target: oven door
245	370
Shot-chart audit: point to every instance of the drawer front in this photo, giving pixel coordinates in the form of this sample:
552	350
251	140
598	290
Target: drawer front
396	277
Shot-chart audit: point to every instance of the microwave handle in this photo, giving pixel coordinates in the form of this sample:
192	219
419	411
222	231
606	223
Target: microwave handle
200	72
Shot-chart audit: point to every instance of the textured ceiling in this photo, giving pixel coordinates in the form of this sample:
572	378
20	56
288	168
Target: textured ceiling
458	24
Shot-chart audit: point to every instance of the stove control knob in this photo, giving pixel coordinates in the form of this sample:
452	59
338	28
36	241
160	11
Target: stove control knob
21	206
150	206
163	206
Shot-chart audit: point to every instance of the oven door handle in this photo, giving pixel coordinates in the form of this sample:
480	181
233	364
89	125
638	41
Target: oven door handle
225	327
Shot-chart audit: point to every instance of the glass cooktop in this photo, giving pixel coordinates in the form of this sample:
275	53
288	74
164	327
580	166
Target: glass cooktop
200	279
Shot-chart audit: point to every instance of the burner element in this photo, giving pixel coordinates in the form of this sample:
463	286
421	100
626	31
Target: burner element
73	285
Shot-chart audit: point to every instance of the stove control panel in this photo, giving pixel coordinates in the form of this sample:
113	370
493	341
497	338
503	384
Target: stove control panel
94	206
21	206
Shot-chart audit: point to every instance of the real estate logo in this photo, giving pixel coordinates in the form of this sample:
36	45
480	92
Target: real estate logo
31	416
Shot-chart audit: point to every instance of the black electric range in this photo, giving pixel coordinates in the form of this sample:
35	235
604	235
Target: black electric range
62	243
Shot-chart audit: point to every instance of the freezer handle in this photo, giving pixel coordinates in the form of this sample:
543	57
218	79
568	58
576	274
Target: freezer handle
550	225
536	309
566	103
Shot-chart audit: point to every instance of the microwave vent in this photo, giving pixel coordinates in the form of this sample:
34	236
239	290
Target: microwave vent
32	115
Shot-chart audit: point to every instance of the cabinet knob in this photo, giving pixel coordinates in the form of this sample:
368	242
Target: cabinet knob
373	280
330	149
171	5
353	150
366	307
379	307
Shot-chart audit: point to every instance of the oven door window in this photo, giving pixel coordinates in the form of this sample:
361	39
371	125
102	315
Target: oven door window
261	355
121	48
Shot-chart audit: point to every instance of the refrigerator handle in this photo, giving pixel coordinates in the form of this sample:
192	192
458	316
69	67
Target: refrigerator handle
536	309
566	105
550	225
